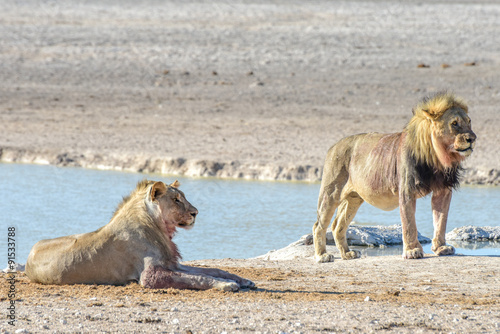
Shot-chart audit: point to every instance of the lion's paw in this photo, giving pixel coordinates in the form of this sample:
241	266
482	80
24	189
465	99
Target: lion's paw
246	284
323	258
227	286
444	250
415	253
353	254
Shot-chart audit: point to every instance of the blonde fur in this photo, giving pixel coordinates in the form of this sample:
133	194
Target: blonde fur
420	129
136	245
391	170
102	256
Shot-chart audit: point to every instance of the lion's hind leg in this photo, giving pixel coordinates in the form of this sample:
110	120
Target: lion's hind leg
326	209
345	214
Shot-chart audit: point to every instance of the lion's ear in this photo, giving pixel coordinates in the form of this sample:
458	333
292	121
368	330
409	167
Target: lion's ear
176	184
157	190
428	115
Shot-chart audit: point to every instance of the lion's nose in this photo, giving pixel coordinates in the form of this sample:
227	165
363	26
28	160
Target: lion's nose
471	137
194	213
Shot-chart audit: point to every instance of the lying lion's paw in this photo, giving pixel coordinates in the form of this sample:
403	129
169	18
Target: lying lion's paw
416	253
227	286
354	254
323	258
247	284
444	250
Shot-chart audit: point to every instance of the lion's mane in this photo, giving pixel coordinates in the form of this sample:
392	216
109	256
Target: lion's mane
419	129
430	173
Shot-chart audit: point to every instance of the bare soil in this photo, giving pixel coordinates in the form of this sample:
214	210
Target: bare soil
374	294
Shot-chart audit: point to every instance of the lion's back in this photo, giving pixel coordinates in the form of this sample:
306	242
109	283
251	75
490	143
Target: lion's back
88	258
355	147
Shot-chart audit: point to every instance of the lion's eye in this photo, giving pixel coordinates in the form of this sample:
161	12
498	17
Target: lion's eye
176	200
454	123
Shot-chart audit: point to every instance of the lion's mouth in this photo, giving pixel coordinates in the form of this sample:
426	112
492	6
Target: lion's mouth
465	151
185	225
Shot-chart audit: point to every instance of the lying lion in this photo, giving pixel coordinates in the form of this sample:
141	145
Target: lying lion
391	170
136	245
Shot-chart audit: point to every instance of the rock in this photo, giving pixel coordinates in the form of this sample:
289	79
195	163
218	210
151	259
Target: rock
376	236
16	267
372	236
474	233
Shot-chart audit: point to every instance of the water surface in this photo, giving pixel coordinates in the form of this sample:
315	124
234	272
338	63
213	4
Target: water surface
237	219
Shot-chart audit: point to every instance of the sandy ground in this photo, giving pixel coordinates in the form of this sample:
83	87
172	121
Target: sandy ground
254	89
457	294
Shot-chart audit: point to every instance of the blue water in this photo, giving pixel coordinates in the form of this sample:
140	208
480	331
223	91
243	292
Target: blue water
237	219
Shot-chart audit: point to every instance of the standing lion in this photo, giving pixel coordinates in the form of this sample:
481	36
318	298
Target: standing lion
136	245
391	170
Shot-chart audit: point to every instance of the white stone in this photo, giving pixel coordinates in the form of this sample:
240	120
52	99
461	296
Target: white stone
474	233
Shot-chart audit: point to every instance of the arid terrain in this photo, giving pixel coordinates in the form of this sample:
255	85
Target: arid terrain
249	89
456	294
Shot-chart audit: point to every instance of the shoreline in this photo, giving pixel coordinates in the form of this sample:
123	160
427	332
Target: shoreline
199	168
166	166
253	91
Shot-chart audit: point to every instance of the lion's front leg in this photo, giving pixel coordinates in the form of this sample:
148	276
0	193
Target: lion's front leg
440	202
412	249
218	273
158	277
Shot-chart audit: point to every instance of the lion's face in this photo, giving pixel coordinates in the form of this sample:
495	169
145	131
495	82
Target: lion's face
174	209
453	137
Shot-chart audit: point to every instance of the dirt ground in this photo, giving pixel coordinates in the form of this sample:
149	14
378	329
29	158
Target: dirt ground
457	294
249	89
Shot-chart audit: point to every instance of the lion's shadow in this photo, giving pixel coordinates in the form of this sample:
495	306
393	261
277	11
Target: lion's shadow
304	292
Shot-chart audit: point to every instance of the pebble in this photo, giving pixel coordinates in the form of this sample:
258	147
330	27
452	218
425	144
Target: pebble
367	299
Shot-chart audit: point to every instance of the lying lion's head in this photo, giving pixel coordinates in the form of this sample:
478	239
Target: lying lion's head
171	207
440	133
